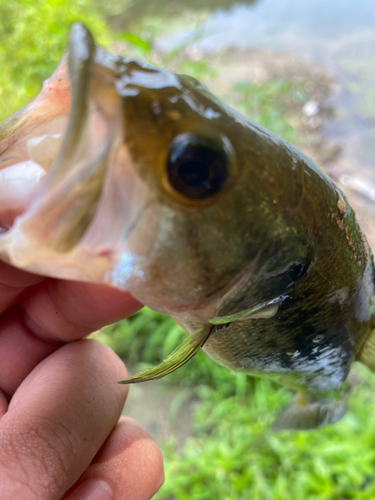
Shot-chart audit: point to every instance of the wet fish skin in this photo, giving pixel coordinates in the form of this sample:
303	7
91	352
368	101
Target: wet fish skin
267	268
306	253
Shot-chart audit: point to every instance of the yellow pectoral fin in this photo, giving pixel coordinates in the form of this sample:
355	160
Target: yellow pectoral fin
177	358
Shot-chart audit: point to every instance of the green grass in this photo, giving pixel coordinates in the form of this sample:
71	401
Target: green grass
273	104
33	37
233	453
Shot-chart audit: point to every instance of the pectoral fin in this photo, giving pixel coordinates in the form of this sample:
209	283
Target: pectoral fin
304	414
177	358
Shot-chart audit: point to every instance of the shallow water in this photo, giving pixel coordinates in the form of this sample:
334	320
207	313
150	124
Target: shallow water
340	34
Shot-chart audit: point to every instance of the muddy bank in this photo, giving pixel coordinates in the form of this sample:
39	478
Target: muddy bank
164	411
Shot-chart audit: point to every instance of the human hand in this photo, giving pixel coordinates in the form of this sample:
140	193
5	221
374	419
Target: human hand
59	402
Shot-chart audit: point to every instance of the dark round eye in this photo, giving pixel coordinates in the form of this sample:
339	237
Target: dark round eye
198	167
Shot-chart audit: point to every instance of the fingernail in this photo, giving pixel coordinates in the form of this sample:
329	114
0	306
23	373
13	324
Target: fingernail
92	489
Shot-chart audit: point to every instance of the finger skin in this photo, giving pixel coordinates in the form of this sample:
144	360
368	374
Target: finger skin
12	283
20	351
68	310
14	277
3	404
58	419
49	314
129	462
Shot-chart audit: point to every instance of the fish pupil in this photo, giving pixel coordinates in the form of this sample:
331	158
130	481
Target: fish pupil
197	167
194	174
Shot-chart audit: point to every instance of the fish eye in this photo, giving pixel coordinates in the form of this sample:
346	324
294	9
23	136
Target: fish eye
197	167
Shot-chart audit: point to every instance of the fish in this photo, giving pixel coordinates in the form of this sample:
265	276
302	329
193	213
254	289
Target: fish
123	173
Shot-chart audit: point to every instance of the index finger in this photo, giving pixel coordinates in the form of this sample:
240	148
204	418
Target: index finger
68	310
49	314
58	420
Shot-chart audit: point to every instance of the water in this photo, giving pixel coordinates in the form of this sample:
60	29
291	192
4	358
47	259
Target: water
338	33
319	27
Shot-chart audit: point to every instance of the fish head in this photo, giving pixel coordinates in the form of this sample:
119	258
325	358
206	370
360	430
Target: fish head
127	174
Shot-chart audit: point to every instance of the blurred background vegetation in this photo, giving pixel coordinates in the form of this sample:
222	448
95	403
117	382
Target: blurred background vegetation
227	450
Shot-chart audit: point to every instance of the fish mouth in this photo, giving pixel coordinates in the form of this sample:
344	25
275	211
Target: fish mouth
69	193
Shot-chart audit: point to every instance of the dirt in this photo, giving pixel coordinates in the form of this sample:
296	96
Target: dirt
164	411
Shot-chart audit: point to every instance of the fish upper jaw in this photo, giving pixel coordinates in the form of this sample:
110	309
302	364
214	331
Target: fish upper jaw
69	195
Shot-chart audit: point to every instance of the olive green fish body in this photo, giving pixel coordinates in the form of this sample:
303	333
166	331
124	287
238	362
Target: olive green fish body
127	174
315	283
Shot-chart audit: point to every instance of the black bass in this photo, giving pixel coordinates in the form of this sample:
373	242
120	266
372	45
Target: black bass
126	174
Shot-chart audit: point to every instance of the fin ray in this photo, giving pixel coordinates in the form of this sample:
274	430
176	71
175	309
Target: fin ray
304	414
177	358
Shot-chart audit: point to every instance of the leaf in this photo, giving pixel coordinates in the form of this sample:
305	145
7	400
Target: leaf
137	41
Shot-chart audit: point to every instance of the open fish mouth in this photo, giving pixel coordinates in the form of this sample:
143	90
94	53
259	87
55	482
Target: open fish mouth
66	175
70	197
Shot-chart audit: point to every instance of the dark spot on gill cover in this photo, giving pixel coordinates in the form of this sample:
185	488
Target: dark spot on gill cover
282	282
275	281
294	273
